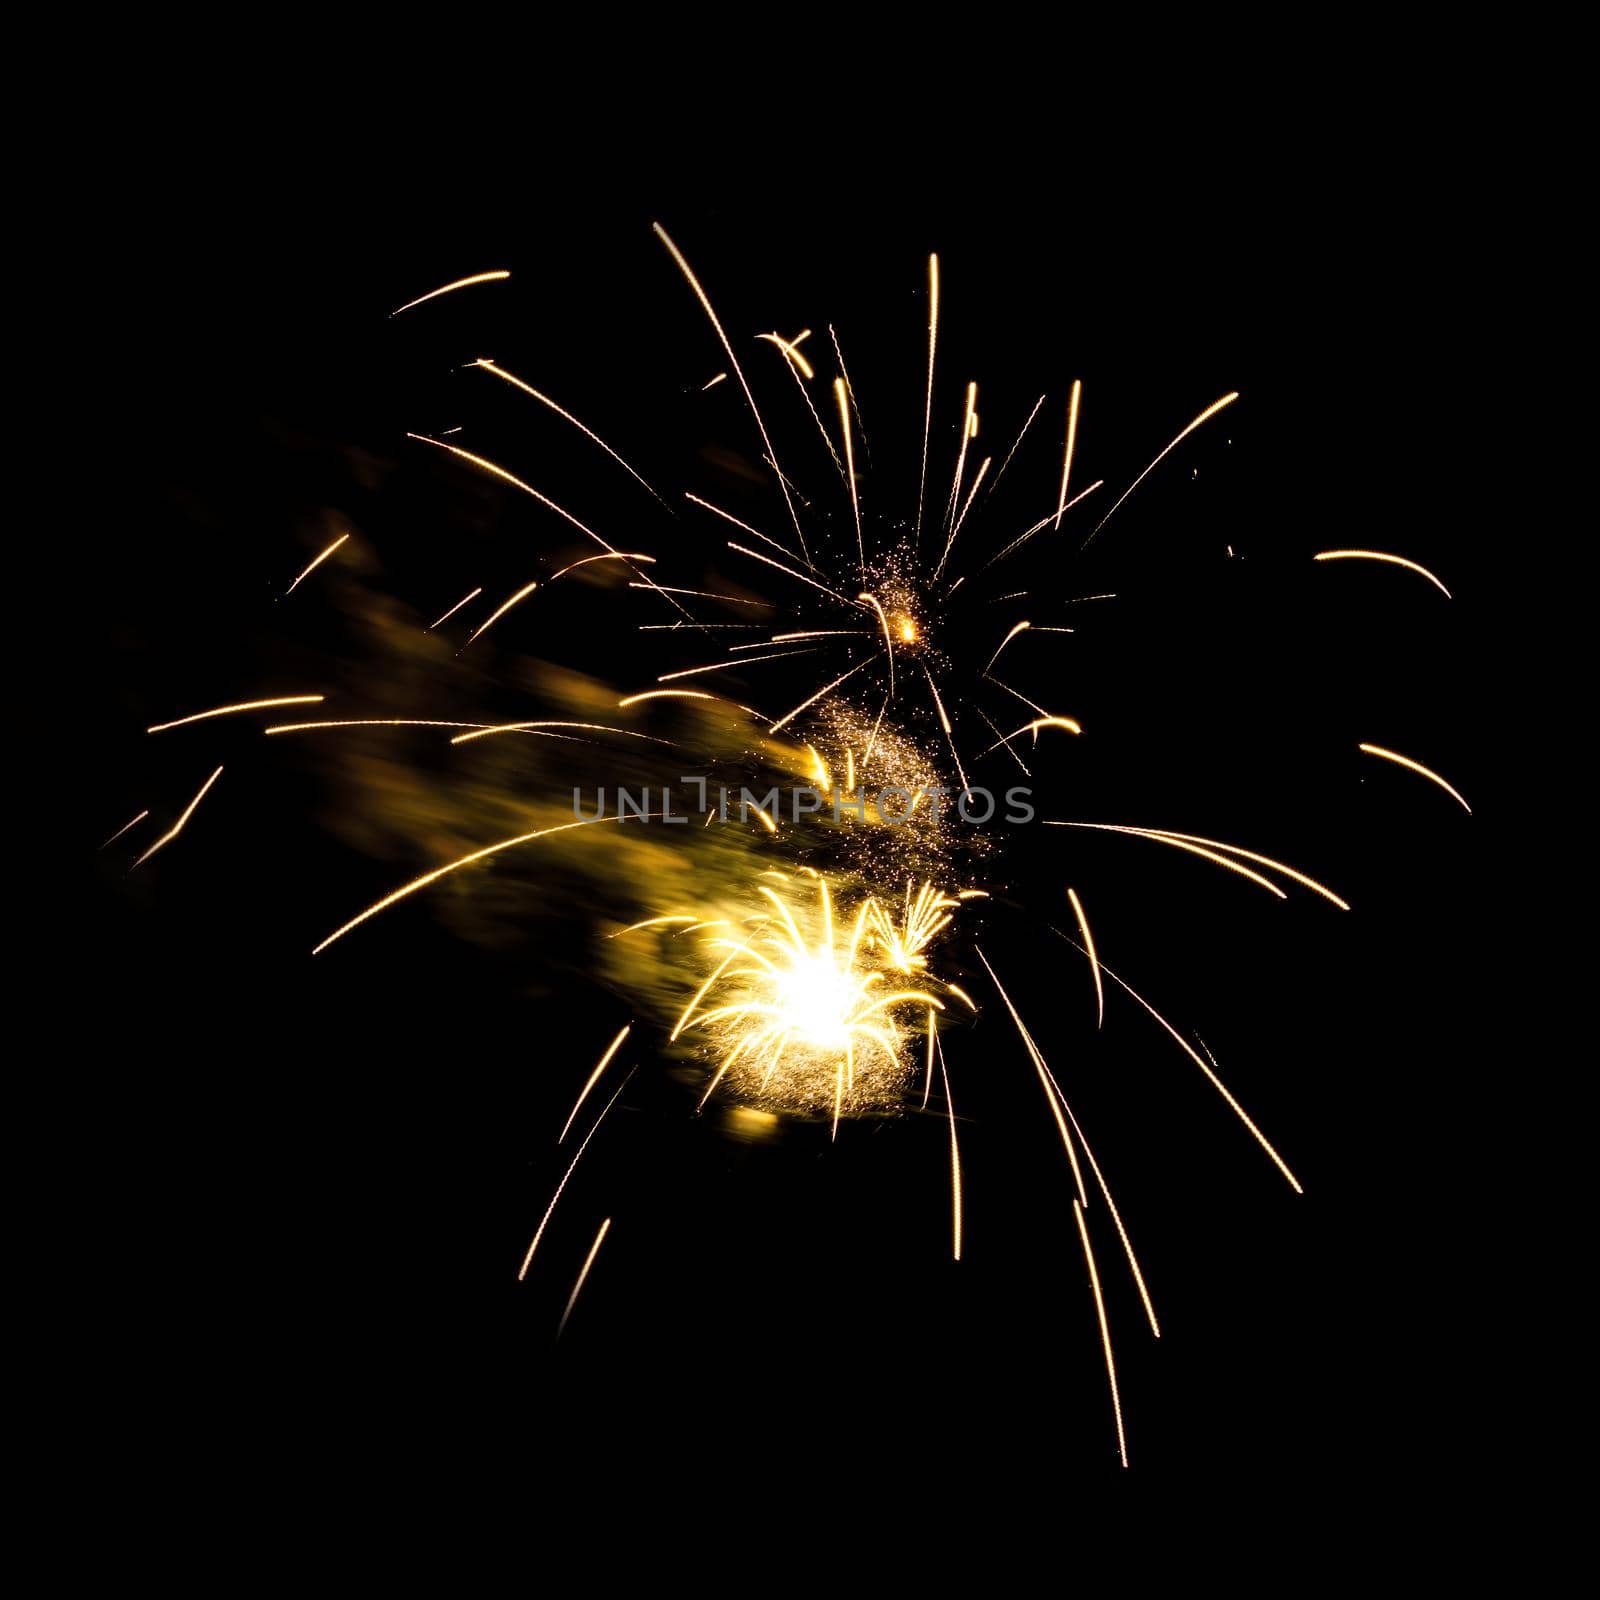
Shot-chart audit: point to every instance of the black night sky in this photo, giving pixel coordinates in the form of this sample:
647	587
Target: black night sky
301	1188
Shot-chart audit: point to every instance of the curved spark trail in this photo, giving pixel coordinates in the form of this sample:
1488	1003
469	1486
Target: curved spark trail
124	828
1094	960
594	1078
1417	766
583	428
315	564
1072	439
1105	1331
1379	555
738	372
243	705
522	1271
439	621
577	1288
1205	416
450	288
927	414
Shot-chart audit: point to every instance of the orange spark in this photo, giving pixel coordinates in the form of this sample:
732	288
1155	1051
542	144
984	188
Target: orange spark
460	283
177	827
1416	766
243	705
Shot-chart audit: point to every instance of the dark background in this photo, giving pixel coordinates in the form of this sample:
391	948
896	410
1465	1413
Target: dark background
301	1189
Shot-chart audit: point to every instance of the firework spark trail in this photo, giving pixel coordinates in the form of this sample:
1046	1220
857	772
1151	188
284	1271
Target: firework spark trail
1168	836
791	348
756	555
738	372
1205	416
955	487
495	616
933	1039
1017	694
849	388
1019	628
449	288
944	723
1052	1094
484	464
1039	527
594	1078
742	661
315	564
1191	849
577	1288
1030	727
927	414
800	369
1058	1106
588	432
1105	1331
850	461
827	688
124	828
177	827
463	861
439	621
1016	445
243	705
702	594
666	694
972	494
1002	741
489	730
1416	766
369	722
522	1271
955	1158
888	641
624	555
728	516
1094	960
1072	439
1379	555
1184	1045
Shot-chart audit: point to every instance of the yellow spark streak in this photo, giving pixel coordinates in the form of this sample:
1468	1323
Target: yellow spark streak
177	827
927	414
124	828
955	1154
1181	844
810	633
243	705
1072	438
1416	766
522	1272
756	555
594	1078
944	721
721	377
485	732
972	495
728	516
1094	960
460	283
849	387
972	894
449	867
1032	727
927	1081
1105	1331
1216	1082
766	821
666	694
962	995
1053	1096
850	468
368	722
825	689
626	555
888	641
955	488
1020	627
588	432
1170	836
1043	523
1379	555
738	372
577	1288
315	564
1020	437
1002	740
1205	416
521	594
790	348
719	666
488	466
453	609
